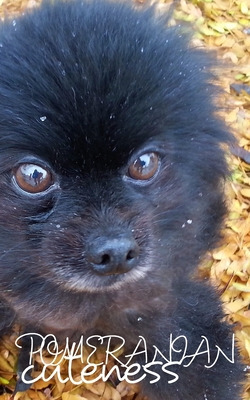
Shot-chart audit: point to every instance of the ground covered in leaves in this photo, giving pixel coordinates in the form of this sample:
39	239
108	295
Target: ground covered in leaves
223	25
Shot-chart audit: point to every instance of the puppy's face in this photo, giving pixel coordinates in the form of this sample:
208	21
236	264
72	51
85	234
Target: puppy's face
93	218
109	153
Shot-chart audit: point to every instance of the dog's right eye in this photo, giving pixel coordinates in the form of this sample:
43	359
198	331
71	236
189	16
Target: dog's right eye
144	167
32	178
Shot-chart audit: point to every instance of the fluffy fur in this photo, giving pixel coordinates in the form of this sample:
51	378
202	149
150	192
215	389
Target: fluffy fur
85	89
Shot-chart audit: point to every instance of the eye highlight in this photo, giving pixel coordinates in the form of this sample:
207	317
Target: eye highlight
32	178
144	167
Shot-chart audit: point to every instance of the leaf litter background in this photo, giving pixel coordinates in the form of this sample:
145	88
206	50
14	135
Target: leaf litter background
224	26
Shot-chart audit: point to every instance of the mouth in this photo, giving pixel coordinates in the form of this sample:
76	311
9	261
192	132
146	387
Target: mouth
93	283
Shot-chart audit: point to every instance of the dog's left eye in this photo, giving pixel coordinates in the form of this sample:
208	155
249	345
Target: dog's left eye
32	178
144	167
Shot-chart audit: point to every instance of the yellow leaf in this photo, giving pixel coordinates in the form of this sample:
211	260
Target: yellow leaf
3	381
239	34
232	57
243	142
241	287
232	116
90	396
247	43
247	345
97	388
225	251
244	8
207	31
216	26
70	396
245	192
36	395
221	5
229	42
238	50
230	26
237	305
244	22
247	316
219	41
22	396
41	384
5	396
4	365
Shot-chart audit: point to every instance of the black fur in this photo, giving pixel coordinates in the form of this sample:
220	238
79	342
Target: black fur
86	89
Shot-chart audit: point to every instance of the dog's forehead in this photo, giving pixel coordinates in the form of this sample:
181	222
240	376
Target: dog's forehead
71	144
108	146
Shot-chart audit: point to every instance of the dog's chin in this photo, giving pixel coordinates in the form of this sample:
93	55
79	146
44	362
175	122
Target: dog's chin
93	283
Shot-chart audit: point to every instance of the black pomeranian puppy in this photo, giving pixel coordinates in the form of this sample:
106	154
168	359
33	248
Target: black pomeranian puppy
111	174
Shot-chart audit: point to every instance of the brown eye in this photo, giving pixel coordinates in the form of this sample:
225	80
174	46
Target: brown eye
144	167
32	178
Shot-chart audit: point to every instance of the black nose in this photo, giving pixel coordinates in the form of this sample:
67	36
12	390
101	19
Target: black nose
110	256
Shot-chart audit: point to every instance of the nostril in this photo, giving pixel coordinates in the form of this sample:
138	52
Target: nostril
112	255
105	259
131	254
